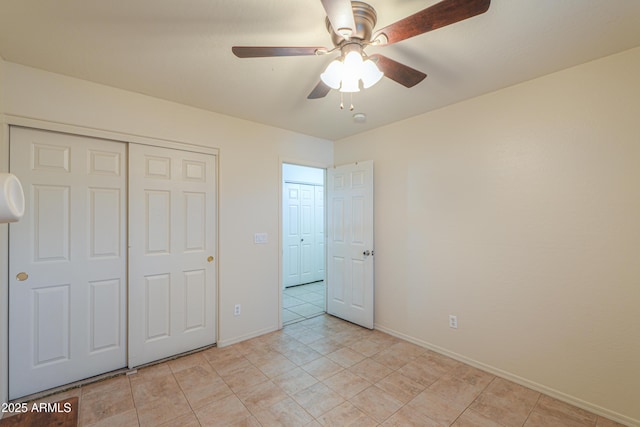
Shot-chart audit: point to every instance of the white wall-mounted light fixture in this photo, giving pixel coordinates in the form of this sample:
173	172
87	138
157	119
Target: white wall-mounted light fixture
12	202
346	72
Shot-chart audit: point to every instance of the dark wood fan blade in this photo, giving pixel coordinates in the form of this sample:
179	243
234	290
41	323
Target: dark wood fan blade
437	16
266	51
320	91
340	16
399	73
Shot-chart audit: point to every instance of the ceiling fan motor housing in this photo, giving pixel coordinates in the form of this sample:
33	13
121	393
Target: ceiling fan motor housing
365	18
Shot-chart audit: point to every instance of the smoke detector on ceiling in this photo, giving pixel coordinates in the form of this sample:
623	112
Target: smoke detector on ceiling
359	118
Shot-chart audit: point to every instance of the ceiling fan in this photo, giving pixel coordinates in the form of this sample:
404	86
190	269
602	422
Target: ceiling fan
351	25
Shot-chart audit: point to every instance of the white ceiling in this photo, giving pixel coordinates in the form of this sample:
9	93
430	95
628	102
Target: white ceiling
181	51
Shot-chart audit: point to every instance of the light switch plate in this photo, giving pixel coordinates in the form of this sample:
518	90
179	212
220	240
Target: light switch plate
260	238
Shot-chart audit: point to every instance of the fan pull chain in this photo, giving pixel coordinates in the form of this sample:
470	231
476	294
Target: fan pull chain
351	107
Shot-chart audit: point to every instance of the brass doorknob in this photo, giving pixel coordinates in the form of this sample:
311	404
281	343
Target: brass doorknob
22	276
210	258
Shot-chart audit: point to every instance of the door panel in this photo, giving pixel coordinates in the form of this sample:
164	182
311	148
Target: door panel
195	227
104	222
52	221
350	284
156	222
195	294
157	308
172	281
104	308
319	218
307	235
67	319
51	317
292	234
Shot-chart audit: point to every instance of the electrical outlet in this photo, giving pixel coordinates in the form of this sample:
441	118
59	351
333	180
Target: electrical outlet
236	310
453	321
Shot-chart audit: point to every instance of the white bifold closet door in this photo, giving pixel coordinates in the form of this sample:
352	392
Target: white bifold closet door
67	262
172	217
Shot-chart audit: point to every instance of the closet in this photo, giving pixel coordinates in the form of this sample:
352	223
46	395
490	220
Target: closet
113	263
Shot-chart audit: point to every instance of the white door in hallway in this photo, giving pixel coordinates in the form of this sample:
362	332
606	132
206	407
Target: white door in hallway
67	263
319	217
350	283
307	235
303	218
292	234
172	278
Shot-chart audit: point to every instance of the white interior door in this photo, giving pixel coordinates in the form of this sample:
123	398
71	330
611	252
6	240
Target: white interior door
292	234
67	264
307	235
172	288
350	243
303	223
319	253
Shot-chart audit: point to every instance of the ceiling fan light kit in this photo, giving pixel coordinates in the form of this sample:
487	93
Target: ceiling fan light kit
346	73
351	25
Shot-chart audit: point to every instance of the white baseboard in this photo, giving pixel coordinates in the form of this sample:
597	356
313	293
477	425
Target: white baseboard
572	400
254	334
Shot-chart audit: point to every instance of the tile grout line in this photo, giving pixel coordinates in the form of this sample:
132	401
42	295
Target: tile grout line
532	409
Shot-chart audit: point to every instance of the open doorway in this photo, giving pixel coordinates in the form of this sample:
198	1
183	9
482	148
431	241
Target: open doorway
303	242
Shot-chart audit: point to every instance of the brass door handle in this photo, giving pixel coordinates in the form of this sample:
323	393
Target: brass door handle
210	258
22	276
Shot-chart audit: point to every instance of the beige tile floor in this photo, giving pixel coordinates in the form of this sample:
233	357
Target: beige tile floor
303	302
320	371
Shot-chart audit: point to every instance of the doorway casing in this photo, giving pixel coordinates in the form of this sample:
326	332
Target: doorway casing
297	162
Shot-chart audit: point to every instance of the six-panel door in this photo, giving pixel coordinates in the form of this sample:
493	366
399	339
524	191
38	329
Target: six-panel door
303	221
172	276
350	243
67	265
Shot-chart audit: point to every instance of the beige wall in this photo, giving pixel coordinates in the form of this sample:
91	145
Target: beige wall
249	176
519	212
